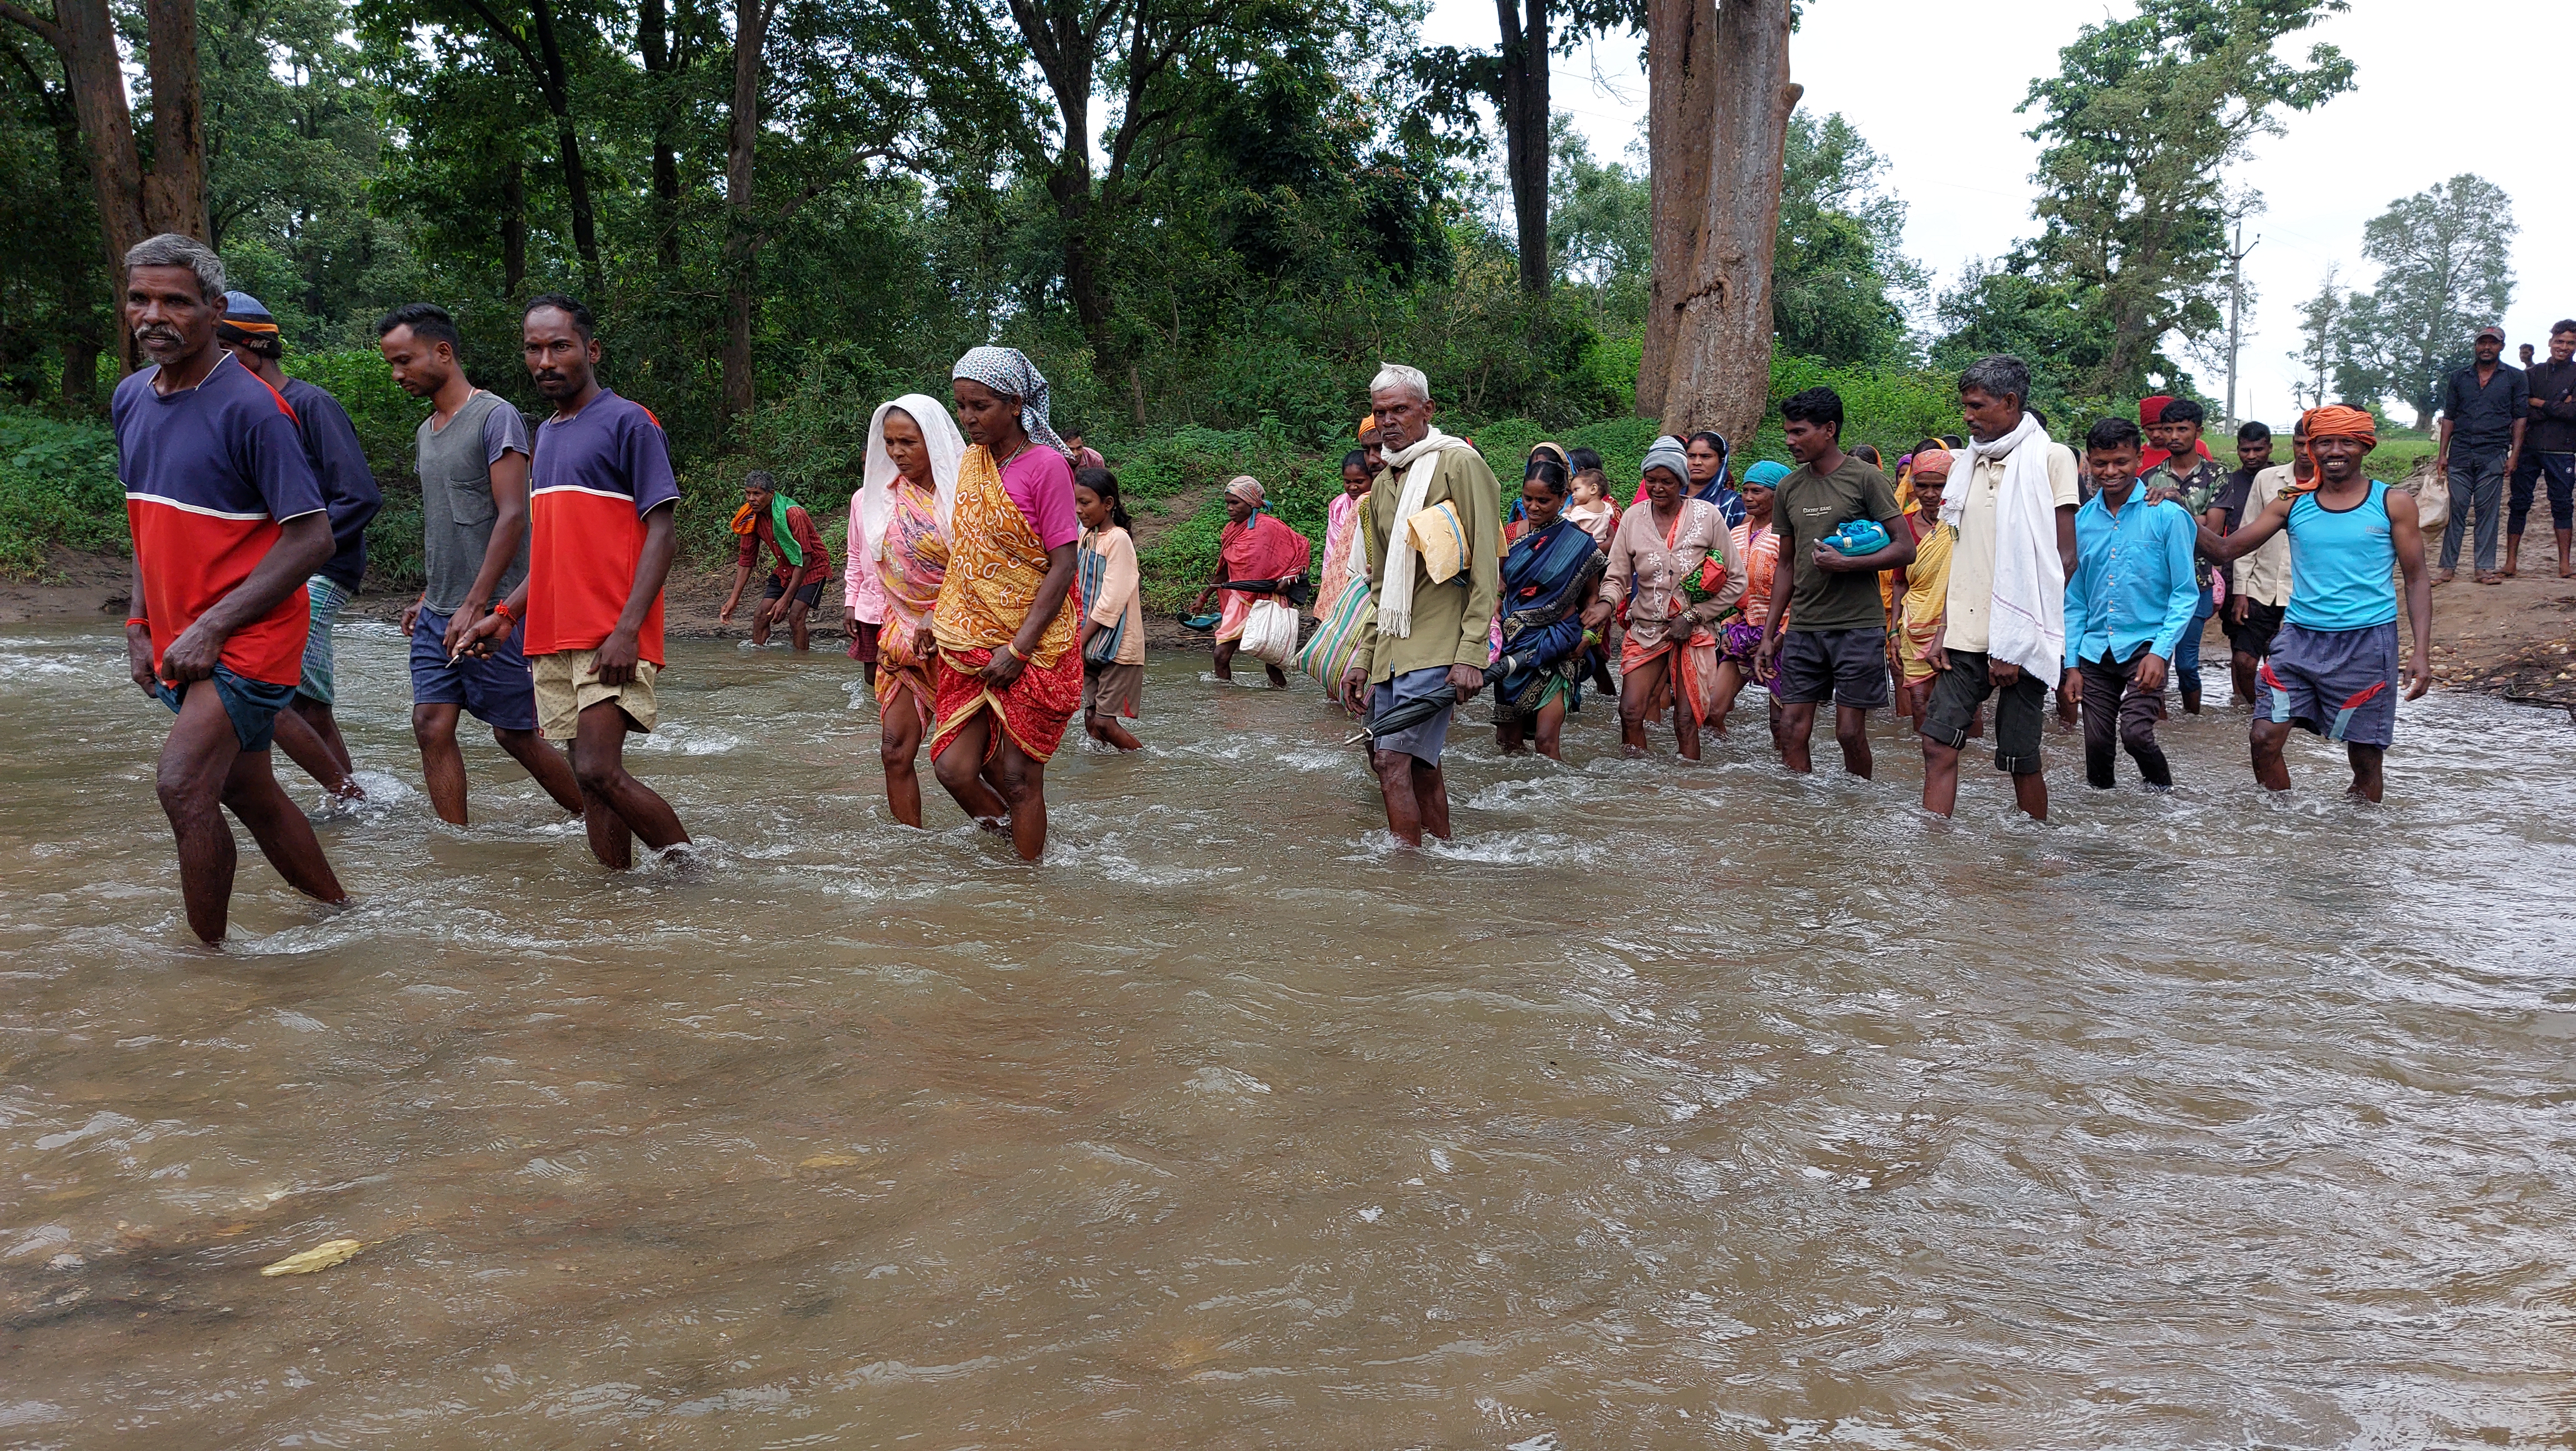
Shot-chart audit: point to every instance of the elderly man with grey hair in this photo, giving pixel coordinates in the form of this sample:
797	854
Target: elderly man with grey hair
228	521
2004	630
1430	531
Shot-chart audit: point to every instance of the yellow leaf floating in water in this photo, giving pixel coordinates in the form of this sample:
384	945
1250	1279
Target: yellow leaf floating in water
830	1161
321	1257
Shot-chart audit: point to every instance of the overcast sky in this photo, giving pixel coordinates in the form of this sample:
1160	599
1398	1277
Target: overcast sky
2428	78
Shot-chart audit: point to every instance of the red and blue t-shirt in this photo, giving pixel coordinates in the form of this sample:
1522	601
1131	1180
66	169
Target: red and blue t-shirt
210	473
593	478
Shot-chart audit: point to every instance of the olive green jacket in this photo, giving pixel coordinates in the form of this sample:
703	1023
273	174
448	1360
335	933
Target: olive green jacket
1452	622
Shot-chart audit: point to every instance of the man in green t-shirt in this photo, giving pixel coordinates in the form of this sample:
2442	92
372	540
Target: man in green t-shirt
1831	641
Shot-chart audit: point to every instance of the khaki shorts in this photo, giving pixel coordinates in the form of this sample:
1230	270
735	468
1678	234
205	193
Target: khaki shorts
568	684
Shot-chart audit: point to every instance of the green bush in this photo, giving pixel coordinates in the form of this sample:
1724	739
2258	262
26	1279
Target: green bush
58	486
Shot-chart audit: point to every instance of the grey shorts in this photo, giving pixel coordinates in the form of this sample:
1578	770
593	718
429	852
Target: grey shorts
1848	667
327	600
1425	740
2340	684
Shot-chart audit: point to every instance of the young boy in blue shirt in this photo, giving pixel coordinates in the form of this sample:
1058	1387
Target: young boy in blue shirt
2128	603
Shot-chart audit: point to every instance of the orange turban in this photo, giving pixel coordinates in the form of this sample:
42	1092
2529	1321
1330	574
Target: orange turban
1931	463
2336	421
2332	421
1368	426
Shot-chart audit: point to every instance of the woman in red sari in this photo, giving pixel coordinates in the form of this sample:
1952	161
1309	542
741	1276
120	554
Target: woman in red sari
1007	678
1254	546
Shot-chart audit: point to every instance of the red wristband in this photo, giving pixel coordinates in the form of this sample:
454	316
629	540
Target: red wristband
502	608
133	620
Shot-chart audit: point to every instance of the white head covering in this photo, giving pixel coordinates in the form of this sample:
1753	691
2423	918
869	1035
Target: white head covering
875	499
1008	372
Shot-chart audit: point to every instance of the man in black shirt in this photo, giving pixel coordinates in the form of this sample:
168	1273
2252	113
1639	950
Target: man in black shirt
2548	448
2484	407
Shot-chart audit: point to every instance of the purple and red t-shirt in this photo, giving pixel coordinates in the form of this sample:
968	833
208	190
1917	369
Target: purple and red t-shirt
592	479
210	473
1040	481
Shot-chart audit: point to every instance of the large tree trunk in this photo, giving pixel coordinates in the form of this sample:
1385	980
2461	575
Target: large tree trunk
174	191
652	33
1721	360
132	204
1524	56
1681	133
742	237
576	175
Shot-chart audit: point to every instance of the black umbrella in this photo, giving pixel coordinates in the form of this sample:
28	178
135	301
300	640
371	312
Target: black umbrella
1401	716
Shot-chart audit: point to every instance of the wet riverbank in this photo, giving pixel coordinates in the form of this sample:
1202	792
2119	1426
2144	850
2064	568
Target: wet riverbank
1670	1106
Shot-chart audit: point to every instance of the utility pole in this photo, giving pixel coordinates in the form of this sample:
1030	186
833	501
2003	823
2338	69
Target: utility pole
2235	310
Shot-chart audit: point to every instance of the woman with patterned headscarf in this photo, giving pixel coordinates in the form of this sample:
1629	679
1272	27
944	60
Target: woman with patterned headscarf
1007	679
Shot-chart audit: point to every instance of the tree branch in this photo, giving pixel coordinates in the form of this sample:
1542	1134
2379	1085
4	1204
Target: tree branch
52	33
527	57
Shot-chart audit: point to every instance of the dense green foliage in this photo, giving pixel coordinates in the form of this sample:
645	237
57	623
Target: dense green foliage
57	487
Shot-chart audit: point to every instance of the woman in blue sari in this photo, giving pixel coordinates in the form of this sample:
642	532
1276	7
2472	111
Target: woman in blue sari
1549	575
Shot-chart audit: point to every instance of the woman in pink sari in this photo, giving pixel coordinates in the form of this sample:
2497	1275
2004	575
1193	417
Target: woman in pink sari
898	557
1255	548
1338	518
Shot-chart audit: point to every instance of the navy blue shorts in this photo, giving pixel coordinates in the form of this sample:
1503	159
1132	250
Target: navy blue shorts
2340	684
252	704
496	688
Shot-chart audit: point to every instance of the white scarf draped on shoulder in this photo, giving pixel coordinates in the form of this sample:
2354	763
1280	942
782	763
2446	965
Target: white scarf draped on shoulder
1419	462
873	504
2027	625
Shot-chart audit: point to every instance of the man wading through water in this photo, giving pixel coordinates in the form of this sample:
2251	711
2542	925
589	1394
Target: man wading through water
2333	670
306	730
795	587
2004	630
228	521
600	504
1432	531
472	455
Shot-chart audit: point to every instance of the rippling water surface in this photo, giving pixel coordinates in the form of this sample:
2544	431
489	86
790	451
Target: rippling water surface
1675	1107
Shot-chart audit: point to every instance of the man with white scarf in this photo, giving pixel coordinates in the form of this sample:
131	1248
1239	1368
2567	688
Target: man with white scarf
2005	632
1436	572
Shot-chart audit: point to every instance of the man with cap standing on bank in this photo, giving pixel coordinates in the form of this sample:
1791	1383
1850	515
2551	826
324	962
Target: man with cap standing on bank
306	730
2484	409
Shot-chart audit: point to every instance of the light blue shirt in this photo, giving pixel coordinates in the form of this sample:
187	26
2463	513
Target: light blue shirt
2133	582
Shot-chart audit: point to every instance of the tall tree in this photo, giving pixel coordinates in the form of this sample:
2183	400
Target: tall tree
2321	321
541	46
2139	125
51	296
1681	141
1721	347
2445	256
135	199
1514	78
1840	264
670	40
742	231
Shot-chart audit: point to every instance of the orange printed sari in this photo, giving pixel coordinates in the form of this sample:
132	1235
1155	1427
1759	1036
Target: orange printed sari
995	565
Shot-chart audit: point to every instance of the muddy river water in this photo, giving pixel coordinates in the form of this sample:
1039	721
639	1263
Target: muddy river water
1670	1107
